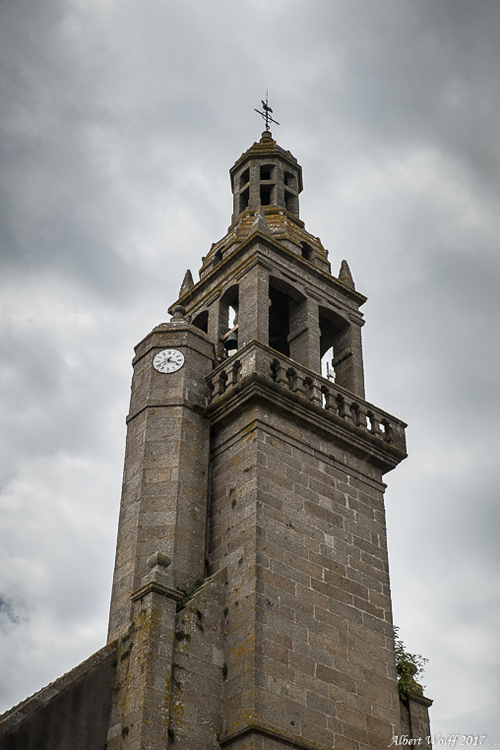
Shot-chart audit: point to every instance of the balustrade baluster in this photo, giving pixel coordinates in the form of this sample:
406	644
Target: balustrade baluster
315	393
221	383
307	388
278	372
298	385
387	431
360	417
235	373
330	403
344	410
374	424
292	378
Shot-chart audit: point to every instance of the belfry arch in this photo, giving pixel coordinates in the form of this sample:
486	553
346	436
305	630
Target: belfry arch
228	312
284	310
342	336
201	321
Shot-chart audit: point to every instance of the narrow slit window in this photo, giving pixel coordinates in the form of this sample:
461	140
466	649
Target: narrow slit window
245	176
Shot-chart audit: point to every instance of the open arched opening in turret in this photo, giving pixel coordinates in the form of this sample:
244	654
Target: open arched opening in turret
201	321
335	352
284	316
228	319
267	196
244	199
267	172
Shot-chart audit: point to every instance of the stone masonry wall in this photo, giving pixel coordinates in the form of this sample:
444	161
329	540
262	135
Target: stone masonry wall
300	525
69	714
199	668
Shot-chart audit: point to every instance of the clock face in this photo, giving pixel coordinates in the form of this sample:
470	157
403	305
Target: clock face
168	360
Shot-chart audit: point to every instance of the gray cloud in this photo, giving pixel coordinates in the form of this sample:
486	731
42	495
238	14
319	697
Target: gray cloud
119	122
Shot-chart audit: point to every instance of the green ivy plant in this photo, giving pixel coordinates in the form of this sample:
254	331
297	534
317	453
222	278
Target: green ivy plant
409	667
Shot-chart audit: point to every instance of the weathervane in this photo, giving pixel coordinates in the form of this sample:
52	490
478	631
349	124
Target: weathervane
266	114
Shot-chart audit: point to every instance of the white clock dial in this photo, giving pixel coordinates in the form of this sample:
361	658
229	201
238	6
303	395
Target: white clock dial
168	360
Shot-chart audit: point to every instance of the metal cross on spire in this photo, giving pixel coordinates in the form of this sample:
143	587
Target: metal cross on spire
266	114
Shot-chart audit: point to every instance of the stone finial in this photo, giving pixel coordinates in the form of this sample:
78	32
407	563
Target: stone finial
259	223
187	283
159	559
158	581
345	274
179	313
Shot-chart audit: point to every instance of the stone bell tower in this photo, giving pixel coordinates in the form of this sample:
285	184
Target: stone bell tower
260	483
251	603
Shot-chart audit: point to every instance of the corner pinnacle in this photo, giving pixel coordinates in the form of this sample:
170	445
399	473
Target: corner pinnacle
187	283
345	274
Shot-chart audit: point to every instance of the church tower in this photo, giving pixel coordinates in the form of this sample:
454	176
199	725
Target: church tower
251	604
259	483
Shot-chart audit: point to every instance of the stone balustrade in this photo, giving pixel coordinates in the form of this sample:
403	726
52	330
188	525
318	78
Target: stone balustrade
258	358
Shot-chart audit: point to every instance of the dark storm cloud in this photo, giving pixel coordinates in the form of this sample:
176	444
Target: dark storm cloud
7	614
118	124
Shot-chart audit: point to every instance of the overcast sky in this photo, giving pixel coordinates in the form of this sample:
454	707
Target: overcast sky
119	121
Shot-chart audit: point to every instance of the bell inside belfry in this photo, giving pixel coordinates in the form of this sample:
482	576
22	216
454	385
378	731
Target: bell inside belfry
231	341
